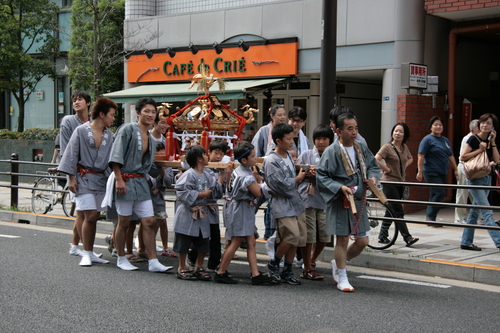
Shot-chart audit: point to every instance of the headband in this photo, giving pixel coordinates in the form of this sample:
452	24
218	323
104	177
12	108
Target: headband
244	154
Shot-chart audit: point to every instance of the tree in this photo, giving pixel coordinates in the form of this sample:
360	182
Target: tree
28	47
97	45
96	53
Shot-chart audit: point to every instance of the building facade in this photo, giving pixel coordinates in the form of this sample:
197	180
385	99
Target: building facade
374	39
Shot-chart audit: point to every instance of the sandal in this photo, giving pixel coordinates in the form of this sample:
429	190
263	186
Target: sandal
133	259
311	274
186	275
168	253
411	242
202	275
142	254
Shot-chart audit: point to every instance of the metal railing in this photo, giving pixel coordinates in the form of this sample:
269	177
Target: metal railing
14	178
14	186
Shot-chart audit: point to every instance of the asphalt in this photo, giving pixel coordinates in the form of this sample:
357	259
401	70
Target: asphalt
437	253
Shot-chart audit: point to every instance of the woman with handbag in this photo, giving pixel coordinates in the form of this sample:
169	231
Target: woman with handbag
482	143
397	158
434	156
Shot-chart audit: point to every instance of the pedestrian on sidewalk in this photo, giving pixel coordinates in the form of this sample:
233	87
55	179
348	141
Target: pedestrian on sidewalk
476	145
397	157
434	157
461	214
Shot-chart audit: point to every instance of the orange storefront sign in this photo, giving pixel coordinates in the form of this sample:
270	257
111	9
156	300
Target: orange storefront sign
233	62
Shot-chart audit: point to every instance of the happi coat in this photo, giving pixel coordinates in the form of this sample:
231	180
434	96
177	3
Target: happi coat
239	211
187	188
127	152
331	175
282	188
81	150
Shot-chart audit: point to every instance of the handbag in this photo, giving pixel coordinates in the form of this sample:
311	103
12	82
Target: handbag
478	166
406	189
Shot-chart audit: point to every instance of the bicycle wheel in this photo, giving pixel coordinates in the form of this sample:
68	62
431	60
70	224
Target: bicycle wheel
382	233
68	206
41	200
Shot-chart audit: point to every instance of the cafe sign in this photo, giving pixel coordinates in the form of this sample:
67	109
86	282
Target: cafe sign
233	62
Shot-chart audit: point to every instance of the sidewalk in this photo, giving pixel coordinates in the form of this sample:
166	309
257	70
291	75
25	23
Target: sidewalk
437	253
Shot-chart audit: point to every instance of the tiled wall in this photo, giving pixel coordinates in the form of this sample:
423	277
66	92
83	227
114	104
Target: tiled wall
440	6
140	8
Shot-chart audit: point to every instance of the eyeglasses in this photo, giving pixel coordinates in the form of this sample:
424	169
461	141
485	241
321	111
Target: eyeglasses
297	121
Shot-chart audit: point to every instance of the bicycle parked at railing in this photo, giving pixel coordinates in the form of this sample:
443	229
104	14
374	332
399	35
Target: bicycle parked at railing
43	200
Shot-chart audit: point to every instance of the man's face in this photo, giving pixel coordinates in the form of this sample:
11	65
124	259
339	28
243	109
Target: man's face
161	126
287	142
296	123
216	155
80	104
147	114
348	134
109	118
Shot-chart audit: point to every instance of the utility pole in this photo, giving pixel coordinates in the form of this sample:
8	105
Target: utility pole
328	75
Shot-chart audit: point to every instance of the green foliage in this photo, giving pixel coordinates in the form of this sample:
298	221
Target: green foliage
96	53
30	134
9	135
28	47
39	134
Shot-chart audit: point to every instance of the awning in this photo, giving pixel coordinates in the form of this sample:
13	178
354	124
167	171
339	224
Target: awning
179	92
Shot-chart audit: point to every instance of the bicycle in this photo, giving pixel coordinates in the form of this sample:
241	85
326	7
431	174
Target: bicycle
383	234
43	200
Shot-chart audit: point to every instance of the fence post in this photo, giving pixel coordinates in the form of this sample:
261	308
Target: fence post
14	180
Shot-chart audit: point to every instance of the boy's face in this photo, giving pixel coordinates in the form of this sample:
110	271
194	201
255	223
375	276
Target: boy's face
348	134
161	126
204	160
294	155
297	124
160	152
321	143
109	118
147	115
250	161
80	104
216	155
287	142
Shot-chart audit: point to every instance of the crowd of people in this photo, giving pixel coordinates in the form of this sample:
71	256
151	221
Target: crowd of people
319	192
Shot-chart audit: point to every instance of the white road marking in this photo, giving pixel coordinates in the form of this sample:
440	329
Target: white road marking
425	284
9	236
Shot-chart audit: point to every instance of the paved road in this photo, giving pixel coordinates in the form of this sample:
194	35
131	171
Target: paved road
44	290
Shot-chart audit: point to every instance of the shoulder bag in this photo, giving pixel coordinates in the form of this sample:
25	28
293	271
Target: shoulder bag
478	166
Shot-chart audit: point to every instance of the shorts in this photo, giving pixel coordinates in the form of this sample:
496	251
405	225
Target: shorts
141	209
292	230
182	243
160	215
89	201
316	226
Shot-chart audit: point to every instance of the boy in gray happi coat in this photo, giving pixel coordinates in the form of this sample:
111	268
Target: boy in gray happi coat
85	162
286	204
194	189
131	159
